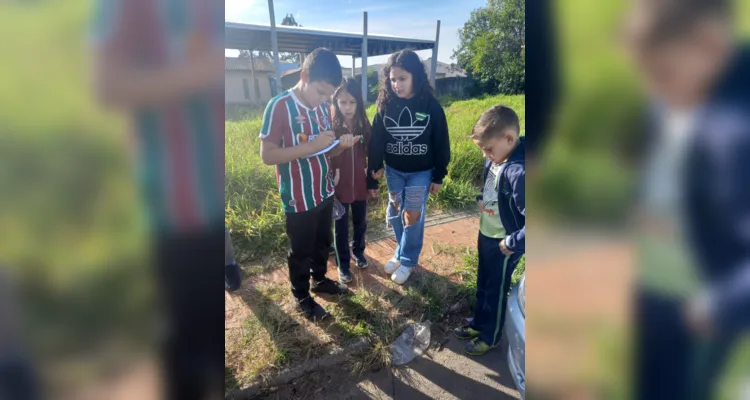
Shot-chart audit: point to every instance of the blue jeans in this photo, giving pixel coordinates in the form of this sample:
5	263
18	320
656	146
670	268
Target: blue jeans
407	191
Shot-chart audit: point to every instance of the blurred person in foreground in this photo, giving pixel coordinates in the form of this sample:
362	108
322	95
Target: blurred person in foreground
17	376
693	294
162	64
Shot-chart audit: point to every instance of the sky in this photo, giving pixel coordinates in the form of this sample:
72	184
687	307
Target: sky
415	19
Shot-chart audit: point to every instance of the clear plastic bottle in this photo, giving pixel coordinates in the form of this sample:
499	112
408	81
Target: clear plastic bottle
411	343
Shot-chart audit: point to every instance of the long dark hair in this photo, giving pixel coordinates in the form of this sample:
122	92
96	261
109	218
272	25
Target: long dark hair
409	61
361	124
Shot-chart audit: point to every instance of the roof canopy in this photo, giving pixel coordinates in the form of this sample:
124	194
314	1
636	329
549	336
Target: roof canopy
293	39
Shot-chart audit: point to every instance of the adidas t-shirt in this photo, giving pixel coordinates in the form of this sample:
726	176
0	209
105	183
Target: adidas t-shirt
411	136
306	182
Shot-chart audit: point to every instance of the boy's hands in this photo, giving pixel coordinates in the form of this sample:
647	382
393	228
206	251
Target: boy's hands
348	141
504	248
377	175
435	188
373	193
323	140
480	204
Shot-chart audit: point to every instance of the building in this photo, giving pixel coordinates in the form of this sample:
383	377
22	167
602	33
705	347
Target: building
244	85
444	70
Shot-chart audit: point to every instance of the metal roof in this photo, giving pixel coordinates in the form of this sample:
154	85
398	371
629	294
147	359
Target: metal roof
294	39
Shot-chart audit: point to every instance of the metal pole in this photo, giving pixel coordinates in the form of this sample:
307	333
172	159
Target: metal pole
353	58
274	45
364	56
252	74
433	67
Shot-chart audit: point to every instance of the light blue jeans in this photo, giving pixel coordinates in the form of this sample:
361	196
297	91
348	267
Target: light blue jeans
407	191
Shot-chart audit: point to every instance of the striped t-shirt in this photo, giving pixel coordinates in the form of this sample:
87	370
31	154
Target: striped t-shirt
180	144
306	182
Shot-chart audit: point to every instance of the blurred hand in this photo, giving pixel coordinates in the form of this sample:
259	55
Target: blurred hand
698	316
377	175
373	193
205	66
336	178
480	204
504	248
435	188
323	140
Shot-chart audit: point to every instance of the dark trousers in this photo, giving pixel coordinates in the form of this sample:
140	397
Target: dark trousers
17	379
493	284
310	240
671	362
191	292
359	221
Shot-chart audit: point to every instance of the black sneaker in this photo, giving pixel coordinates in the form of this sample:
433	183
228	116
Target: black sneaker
345	277
232	278
312	310
361	262
329	286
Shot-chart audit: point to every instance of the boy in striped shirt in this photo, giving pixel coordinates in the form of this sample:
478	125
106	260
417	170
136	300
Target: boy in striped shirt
296	127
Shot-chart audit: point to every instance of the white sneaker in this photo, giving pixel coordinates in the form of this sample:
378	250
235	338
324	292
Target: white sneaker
391	266
401	275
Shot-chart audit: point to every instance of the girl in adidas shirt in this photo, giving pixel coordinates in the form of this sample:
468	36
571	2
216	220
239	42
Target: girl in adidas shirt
409	133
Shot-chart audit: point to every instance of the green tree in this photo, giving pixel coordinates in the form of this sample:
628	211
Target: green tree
491	46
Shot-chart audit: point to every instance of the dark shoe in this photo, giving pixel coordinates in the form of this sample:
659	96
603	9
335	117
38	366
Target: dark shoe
345	277
466	332
329	287
232	278
312	310
361	262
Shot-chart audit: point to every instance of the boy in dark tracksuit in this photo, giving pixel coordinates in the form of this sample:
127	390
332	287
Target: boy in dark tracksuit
502	227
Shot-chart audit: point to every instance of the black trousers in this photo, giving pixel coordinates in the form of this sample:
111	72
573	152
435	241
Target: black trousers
672	362
192	295
494	276
310	240
359	221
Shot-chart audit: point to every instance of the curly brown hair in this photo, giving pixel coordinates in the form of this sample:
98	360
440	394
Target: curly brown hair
409	61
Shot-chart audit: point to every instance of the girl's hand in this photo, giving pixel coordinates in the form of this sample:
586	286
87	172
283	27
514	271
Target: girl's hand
435	188
373	193
336	178
377	175
348	141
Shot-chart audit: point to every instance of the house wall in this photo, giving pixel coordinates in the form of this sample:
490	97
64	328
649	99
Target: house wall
234	88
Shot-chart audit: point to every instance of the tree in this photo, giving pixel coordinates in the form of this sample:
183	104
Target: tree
491	46
291	57
268	55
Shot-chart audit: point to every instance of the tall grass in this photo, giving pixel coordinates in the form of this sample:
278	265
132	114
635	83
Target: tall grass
253	207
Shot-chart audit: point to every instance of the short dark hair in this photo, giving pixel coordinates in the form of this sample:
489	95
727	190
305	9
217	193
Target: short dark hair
494	123
323	65
667	20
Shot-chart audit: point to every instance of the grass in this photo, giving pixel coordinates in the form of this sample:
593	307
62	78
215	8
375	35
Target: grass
273	336
253	206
